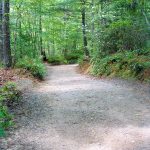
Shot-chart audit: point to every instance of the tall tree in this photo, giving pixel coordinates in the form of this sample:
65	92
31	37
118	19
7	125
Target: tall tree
5	34
41	32
83	13
1	37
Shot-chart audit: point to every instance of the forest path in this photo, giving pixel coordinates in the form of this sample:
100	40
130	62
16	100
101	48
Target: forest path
70	111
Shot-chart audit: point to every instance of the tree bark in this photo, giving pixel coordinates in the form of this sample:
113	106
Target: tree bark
41	39
1	37
93	25
7	59
83	13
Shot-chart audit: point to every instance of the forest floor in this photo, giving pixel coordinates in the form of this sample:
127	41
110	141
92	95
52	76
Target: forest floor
70	111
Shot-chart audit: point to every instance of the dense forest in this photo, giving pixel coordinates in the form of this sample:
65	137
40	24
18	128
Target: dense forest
112	38
112	35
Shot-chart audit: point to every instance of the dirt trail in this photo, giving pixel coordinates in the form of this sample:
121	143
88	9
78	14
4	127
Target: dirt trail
73	112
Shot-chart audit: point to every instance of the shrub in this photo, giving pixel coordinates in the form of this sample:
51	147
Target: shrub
73	57
81	60
123	35
1	65
57	60
123	64
35	66
8	95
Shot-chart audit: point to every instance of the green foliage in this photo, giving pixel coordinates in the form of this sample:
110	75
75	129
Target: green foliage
73	57
35	66
111	27
9	94
5	118
127	64
36	32
1	65
69	58
123	35
81	60
57	60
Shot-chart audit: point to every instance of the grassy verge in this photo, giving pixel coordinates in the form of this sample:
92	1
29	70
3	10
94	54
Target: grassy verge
127	64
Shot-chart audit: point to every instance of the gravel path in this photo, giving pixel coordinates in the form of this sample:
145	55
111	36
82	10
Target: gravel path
69	111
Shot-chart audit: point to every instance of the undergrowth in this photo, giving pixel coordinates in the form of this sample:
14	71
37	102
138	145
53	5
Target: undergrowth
127	64
8	96
57	60
73	58
69	58
35	66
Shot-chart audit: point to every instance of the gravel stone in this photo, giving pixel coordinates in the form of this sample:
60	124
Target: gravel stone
70	111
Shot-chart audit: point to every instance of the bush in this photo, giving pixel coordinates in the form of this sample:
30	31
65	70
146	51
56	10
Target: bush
73	57
8	95
57	60
35	66
1	65
123	35
123	64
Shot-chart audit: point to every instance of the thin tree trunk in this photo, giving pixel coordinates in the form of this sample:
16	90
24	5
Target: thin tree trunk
41	39
16	36
1	37
53	42
85	43
7	60
93	25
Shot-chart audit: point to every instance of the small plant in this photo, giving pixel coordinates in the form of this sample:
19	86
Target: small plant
1	65
73	57
35	66
57	60
8	95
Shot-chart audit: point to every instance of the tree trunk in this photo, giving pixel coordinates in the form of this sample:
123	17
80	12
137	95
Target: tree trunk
85	43
7	60
93	25
41	39
1	37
